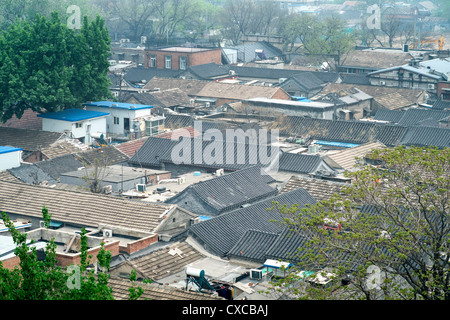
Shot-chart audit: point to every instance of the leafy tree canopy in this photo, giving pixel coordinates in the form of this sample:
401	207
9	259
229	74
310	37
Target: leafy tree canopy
388	233
45	66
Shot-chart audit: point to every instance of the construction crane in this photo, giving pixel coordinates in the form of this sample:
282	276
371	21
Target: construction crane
439	41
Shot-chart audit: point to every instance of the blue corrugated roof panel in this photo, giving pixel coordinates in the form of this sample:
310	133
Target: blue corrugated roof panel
118	105
336	144
73	115
8	149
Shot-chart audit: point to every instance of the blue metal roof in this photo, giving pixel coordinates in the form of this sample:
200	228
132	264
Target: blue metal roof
8	149
337	144
118	105
73	115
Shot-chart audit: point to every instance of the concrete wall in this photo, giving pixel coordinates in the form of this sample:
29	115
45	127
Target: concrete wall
10	160
97	127
118	129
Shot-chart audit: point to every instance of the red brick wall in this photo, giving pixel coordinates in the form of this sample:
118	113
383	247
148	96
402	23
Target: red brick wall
139	244
442	85
192	58
281	94
68	259
11	263
152	178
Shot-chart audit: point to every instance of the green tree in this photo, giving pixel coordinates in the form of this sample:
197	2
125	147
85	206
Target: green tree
393	232
326	38
44	66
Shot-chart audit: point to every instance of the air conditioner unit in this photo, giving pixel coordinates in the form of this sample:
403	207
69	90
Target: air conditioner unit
208	105
383	83
107	233
181	180
141	187
430	86
232	72
256	274
219	172
191	102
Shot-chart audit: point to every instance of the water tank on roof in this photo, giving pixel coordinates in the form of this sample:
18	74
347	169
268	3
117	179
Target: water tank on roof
194	272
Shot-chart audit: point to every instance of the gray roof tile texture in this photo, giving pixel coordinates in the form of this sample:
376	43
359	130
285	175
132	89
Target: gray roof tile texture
232	189
221	233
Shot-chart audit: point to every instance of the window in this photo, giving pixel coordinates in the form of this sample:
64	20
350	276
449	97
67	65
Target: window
168	62
116	120
153	61
78	125
182	63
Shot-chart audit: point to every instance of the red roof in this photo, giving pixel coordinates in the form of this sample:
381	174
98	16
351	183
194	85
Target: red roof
130	147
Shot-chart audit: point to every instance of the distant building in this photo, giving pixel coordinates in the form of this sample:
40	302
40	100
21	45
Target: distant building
127	120
81	124
181	58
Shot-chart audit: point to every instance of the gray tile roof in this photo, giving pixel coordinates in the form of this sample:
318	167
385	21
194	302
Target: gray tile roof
32	174
220	234
152	151
209	70
393	116
230	191
299	163
427	136
56	166
78	208
342	131
108	155
138	75
413	117
120	291
253	245
440	104
29	140
319	189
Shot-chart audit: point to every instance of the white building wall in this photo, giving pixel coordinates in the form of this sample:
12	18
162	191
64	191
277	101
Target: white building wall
91	127
10	160
118	129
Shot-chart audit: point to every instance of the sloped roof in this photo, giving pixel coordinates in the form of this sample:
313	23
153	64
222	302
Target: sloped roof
346	158
393	116
342	131
56	166
105	155
152	151
84	209
209	70
440	104
237	91
427	136
73	115
376	59
120	291
299	163
174	121
31	174
390	98
231	190
29	140
412	117
275	73
60	148
190	87
253	245
221	233
308	80
319	189
142	75
130	147
166	261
